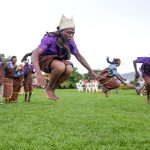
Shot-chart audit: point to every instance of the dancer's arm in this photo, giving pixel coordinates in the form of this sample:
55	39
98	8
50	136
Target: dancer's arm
120	79
137	75
35	61
82	60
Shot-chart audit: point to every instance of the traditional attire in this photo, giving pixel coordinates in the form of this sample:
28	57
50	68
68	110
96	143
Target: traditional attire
54	48
145	70
17	84
107	78
8	80
28	71
145	67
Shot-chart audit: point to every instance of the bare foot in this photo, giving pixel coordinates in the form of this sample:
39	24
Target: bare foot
54	94
49	95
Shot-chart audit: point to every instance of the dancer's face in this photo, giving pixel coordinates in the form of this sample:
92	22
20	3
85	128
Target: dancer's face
68	34
14	60
118	62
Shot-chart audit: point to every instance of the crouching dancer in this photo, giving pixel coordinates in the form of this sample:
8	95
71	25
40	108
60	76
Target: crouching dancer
53	54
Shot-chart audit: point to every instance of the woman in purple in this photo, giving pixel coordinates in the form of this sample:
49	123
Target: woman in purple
27	83
53	54
145	69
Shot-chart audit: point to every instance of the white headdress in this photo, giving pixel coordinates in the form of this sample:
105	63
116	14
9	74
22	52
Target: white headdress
66	23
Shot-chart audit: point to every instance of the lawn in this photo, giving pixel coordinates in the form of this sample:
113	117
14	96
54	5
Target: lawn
79	121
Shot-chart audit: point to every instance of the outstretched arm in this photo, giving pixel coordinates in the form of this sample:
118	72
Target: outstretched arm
120	78
137	75
82	60
35	61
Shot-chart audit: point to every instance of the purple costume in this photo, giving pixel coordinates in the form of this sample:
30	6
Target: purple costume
145	67
49	46
28	71
54	48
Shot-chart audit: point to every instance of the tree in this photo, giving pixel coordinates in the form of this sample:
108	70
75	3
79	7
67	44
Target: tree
72	80
87	76
6	59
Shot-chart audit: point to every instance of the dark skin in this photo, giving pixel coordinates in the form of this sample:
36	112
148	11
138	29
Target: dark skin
14	60
60	72
137	75
146	79
119	77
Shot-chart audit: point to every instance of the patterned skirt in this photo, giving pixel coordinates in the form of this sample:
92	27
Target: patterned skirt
17	83
46	61
108	82
8	88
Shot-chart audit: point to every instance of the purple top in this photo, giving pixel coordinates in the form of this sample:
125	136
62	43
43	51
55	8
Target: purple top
143	60
28	68
49	47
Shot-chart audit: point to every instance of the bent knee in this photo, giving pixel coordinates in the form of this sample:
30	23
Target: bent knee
69	69
58	66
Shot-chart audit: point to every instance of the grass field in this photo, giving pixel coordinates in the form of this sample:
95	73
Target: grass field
79	121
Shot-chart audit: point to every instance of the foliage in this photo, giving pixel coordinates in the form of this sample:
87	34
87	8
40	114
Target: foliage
6	59
72	80
87	76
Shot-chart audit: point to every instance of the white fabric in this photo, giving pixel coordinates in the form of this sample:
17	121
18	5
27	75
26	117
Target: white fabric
66	23
79	87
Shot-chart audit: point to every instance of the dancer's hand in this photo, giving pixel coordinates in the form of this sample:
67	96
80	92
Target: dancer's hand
130	85
95	75
41	80
137	75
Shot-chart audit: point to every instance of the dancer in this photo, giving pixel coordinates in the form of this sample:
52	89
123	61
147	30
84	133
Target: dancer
53	54
109	77
28	86
8	80
17	83
145	70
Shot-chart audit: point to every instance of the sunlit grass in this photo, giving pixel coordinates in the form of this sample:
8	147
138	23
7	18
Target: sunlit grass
79	121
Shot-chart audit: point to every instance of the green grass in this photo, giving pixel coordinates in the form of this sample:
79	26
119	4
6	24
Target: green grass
79	121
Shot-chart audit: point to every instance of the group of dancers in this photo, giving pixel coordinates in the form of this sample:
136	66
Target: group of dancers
53	54
13	77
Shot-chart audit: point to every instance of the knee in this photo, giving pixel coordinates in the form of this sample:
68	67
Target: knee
60	68
69	70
